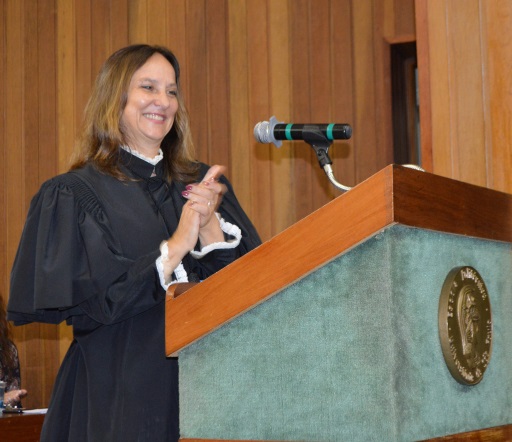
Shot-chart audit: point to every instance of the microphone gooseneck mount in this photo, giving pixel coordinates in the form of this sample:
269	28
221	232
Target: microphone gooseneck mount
320	143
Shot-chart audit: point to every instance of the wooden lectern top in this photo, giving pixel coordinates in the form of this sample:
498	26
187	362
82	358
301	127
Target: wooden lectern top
395	195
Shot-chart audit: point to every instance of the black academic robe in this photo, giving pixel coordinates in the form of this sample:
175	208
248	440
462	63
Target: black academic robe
87	255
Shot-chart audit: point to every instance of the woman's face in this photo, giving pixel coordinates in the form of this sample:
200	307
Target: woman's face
151	105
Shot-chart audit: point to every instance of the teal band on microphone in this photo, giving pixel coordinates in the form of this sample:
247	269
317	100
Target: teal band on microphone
328	131
287	131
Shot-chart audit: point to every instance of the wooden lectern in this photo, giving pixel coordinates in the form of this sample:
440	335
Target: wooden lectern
329	331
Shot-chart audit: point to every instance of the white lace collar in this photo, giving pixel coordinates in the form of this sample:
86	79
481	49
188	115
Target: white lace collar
154	161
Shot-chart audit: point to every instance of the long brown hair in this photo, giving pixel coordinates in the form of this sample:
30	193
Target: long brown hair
102	134
7	356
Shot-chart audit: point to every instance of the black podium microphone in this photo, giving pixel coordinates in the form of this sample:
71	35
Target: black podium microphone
274	131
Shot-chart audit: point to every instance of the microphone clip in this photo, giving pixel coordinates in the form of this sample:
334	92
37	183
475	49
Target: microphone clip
319	142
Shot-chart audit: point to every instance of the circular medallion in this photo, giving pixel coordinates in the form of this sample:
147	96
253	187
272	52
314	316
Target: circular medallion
465	325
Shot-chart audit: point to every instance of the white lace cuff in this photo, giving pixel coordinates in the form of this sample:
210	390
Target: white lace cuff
226	227
179	272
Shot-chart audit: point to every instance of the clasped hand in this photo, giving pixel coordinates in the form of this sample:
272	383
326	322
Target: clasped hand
205	197
198	220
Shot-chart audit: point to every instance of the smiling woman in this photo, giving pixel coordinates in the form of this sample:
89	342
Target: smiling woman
103	242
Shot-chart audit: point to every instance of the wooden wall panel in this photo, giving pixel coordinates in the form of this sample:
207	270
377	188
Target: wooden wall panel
466	89
196	75
4	267
177	32
279	96
403	17
242	62
366	142
258	95
498	116
342	93
240	166
47	90
465	57
138	21
80	52
67	116
385	23
119	19
301	111
322	191
216	128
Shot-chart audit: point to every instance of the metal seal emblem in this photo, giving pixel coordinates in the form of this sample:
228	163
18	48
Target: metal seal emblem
465	325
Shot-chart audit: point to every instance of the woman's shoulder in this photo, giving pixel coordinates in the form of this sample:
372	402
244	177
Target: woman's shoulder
68	179
75	186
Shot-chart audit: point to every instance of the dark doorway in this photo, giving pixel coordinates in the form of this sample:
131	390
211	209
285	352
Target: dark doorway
405	102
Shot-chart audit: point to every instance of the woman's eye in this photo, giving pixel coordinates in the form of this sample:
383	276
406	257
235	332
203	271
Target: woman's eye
173	93
148	87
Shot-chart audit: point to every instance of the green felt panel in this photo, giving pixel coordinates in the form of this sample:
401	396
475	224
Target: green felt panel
352	351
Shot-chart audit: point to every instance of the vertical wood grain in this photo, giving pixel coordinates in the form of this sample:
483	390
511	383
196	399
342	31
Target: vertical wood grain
85	68
440	90
385	17
99	40
119	23
47	90
217	98
177	38
240	166
282	184
403	17
304	158
464	83
322	191
15	177
342	89
137	21
158	23
31	103
364	89
197	75
66	76
425	82
258	84
498	16
4	267
466	92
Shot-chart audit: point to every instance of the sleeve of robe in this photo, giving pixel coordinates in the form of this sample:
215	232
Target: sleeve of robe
68	262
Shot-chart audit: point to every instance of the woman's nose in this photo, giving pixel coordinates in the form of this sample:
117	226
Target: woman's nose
163	99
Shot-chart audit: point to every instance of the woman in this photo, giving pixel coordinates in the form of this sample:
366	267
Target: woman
9	363
104	241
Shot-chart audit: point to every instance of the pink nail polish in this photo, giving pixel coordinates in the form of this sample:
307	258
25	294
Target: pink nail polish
189	187
184	193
